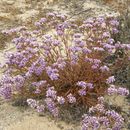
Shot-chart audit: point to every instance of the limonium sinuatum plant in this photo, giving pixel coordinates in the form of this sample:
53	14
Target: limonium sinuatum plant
62	62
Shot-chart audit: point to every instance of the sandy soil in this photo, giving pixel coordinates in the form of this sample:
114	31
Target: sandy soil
15	118
24	12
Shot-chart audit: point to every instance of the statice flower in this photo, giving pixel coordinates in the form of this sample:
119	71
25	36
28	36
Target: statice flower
6	91
86	50
106	34
101	100
60	100
74	59
32	103
81	84
90	122
51	106
40	108
60	63
111	79
112	90
90	85
19	81
52	73
105	122
71	98
98	49
104	68
51	93
119	120
123	91
114	22
82	92
100	108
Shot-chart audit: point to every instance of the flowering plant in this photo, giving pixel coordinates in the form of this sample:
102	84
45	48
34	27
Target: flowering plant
62	62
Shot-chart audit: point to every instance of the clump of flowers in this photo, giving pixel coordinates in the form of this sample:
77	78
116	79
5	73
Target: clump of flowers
99	117
61	62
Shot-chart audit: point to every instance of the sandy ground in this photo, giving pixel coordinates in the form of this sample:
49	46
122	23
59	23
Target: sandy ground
24	12
15	118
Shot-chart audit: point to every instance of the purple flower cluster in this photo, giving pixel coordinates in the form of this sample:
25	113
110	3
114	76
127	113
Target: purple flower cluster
110	80
60	100
90	121
51	93
52	73
106	119
71	98
84	84
120	90
35	105
51	106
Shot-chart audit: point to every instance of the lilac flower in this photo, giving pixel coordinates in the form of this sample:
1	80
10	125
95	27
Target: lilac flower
81	84
114	22
43	20
51	107
61	16
98	49
115	30
95	66
96	61
118	118
36	32
6	91
106	35
112	90
60	100
62	65
51	93
100	108
111	79
52	73
90	122
79	42
32	103
84	84
82	92
108	46
104	68
110	40
40	108
105	121
19	81
86	50
37	91
90	85
37	24
101	100
89	60
75	49
74	59
71	98
123	91
56	42
51	14
28	74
